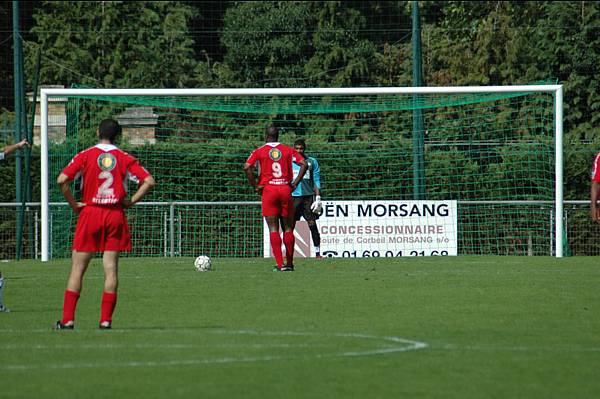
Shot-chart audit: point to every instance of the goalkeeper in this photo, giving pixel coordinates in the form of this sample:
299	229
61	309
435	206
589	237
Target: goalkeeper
307	196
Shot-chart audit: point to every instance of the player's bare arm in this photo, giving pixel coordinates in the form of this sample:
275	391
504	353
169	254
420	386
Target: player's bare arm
143	189
65	187
303	168
249	170
594	211
13	147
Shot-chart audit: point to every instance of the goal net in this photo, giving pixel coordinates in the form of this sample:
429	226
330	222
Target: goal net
390	159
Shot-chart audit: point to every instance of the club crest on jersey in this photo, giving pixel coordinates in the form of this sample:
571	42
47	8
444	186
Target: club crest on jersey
107	161
275	154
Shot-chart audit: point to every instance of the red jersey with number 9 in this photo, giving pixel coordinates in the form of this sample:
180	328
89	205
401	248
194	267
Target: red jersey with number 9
275	163
104	170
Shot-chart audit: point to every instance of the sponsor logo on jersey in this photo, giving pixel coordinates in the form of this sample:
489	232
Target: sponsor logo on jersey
275	154
107	161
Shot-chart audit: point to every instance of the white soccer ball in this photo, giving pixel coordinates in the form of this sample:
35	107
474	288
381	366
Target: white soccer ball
202	263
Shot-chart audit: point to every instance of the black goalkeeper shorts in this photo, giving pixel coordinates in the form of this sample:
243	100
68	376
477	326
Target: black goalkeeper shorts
302	208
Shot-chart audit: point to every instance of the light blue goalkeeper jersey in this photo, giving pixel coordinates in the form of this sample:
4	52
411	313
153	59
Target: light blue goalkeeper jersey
312	178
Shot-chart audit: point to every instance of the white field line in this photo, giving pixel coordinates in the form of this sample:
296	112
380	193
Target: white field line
393	345
501	348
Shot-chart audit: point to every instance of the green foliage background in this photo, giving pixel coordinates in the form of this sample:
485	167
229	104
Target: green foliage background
320	44
306	44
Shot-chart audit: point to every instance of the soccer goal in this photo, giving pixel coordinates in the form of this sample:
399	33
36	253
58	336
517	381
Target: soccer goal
405	171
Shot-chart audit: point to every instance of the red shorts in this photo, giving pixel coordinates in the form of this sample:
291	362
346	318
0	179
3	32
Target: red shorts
102	228
277	200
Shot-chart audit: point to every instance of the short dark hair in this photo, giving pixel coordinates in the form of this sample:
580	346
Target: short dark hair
272	132
109	129
300	142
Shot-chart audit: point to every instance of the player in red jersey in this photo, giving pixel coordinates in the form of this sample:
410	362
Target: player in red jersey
595	192
275	185
102	225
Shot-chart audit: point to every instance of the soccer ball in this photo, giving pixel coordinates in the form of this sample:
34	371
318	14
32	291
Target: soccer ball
202	263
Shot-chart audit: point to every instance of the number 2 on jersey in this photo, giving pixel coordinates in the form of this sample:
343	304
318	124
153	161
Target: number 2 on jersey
105	189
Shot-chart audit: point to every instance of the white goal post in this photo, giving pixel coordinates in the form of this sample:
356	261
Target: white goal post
556	90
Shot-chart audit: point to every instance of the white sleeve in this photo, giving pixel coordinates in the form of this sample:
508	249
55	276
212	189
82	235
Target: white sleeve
1	155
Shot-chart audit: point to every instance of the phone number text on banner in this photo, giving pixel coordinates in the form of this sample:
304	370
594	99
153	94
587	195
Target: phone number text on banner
388	228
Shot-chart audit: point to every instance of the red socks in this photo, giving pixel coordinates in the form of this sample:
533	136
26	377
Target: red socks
276	247
69	305
289	241
109	301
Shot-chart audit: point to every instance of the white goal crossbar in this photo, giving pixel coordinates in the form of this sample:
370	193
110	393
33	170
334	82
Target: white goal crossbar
557	90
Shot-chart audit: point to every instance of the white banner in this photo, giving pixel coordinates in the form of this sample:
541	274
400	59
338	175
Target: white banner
357	229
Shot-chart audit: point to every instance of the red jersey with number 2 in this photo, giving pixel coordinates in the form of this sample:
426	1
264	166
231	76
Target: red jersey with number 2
275	163
104	170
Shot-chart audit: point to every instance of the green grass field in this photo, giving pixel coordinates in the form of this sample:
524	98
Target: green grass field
461	327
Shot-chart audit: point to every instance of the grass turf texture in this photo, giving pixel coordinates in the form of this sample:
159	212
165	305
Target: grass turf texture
494	327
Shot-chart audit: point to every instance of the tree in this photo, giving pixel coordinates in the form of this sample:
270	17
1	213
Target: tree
267	43
479	43
114	44
568	47
341	56
296	44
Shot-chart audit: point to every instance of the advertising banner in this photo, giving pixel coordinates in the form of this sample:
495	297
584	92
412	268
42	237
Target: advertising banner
358	229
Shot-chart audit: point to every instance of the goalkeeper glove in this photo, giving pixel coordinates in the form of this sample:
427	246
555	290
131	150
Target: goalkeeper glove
317	205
